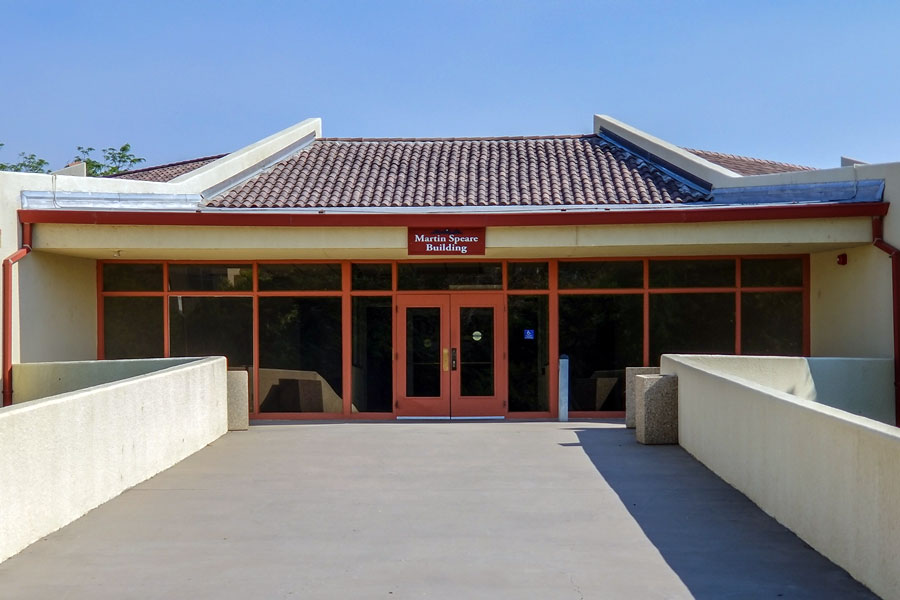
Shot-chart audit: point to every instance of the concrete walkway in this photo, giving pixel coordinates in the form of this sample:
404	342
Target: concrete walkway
427	510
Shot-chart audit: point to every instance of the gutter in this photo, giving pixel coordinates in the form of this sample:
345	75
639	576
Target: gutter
893	253
8	263
535	218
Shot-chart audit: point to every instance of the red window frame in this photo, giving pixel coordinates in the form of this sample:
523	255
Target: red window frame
552	291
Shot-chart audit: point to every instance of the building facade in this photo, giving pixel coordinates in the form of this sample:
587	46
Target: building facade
445	278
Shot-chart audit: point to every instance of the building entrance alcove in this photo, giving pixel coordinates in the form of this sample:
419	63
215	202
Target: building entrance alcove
451	361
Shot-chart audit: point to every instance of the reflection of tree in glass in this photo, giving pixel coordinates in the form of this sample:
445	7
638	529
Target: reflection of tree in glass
287	277
302	334
208	326
211	278
132	277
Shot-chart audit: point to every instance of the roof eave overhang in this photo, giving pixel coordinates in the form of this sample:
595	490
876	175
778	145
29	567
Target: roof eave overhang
541	218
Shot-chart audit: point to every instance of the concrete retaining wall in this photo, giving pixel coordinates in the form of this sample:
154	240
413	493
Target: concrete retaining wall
829	476
64	455
862	386
42	380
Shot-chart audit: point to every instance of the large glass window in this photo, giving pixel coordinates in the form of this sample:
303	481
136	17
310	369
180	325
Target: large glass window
300	358
132	277
368	276
288	277
133	327
212	326
601	274
449	276
210	278
772	323
529	353
601	335
527	276
693	306
692	273
771	272
373	373
691	323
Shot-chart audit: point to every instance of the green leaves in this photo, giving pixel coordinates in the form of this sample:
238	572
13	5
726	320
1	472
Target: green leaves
28	163
115	160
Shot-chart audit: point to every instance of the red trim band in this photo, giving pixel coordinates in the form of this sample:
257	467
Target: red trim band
610	216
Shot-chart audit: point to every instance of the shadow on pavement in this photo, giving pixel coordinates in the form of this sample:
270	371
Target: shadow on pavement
719	543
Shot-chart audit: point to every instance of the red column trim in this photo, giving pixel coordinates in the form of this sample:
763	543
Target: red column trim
892	252
7	311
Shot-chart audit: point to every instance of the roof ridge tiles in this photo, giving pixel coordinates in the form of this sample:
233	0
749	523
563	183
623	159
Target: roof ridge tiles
167	165
740	157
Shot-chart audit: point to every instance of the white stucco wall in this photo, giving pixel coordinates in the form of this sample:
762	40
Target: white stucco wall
829	476
64	455
851	305
58	308
11	185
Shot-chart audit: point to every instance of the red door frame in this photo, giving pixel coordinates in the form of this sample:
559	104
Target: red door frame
451	404
418	406
479	406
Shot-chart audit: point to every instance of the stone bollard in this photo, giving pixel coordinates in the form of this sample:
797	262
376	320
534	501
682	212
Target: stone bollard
656	409
238	401
630	374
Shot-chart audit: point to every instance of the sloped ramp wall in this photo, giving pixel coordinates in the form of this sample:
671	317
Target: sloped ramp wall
828	475
63	455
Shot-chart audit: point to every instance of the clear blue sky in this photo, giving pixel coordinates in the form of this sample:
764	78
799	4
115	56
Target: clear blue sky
801	82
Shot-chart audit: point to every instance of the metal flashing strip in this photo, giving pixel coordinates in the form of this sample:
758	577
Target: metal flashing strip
865	190
401	418
680	175
254	170
485	418
49	200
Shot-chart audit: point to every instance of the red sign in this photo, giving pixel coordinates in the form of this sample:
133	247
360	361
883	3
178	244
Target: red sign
456	241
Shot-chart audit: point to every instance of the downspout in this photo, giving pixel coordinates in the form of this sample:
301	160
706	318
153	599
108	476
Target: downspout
8	263
894	253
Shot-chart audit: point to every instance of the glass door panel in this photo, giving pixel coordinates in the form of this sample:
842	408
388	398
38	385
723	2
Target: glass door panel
528	365
477	384
476	351
423	352
423	361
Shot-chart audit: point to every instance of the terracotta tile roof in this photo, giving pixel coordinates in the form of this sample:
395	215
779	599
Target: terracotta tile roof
167	172
513	171
744	165
465	172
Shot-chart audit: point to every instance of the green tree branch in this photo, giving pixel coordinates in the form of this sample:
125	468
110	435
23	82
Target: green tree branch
115	160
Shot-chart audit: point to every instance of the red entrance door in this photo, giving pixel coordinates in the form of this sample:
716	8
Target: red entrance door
450	359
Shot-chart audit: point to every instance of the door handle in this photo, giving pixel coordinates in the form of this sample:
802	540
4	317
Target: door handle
453	359
446	362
